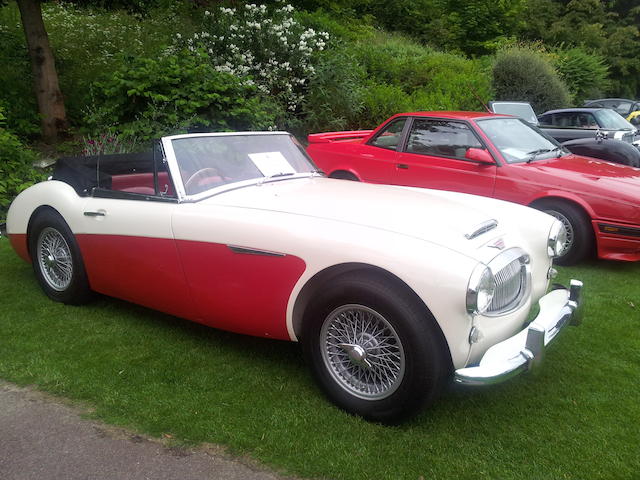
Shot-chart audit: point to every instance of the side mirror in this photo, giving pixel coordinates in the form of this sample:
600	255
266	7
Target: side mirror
479	155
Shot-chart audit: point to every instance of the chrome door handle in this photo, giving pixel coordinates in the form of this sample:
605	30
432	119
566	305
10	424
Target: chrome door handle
403	166
100	213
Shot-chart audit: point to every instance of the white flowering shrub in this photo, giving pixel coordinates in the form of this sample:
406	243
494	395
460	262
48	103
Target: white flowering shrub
261	46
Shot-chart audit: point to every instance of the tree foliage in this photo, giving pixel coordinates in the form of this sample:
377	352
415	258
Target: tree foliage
523	74
608	29
149	97
585	74
16	172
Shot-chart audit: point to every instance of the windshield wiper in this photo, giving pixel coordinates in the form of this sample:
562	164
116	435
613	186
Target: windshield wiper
274	175
535	153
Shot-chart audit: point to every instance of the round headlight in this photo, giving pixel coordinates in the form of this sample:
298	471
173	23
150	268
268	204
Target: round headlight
557	239
482	286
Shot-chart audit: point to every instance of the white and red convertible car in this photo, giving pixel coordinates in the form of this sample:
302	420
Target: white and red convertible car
391	290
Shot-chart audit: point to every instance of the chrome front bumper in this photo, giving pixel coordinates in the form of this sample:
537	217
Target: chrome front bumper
525	350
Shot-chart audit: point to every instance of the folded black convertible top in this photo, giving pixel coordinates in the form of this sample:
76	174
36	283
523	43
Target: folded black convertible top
86	173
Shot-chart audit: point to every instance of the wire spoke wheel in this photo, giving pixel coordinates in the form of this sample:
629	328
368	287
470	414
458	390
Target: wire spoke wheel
54	259
362	352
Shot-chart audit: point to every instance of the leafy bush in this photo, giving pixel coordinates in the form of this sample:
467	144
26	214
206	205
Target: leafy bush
268	48
523	74
148	97
16	172
408	76
586	74
87	43
382	100
336	93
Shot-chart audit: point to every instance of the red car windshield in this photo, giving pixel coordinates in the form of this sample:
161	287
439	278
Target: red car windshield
518	141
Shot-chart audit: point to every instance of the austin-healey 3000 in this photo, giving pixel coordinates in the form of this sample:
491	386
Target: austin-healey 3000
393	291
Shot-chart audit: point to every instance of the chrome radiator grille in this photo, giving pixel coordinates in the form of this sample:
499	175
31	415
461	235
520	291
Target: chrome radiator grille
511	285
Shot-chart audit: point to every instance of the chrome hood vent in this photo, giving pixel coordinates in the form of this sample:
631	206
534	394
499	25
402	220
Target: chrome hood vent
481	228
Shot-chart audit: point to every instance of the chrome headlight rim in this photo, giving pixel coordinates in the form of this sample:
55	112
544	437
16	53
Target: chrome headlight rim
480	290
557	241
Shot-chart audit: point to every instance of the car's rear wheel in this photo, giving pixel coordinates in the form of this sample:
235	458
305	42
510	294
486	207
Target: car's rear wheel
579	232
56	259
374	349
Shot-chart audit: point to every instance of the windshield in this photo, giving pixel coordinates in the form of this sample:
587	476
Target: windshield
612	120
522	110
206	162
518	141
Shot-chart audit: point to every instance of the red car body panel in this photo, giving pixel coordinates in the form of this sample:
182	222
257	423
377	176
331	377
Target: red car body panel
609	193
140	270
19	244
241	293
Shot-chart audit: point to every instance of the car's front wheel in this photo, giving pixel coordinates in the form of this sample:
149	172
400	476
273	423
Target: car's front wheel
374	349
56	259
579	231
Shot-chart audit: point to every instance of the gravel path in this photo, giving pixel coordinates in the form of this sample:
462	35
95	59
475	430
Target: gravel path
42	438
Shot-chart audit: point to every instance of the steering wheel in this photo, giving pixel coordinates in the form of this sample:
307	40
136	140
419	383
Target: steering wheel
200	175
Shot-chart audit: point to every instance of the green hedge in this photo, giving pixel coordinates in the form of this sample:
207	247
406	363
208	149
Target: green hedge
16	171
524	74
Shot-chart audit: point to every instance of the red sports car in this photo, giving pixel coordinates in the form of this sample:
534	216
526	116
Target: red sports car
496	156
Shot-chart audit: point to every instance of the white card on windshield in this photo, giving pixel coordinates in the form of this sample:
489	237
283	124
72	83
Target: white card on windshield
271	163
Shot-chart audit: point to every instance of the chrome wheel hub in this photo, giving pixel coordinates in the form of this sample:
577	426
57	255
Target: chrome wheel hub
357	354
50	261
54	259
362	352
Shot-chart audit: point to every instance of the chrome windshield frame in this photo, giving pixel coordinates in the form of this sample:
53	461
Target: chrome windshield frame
174	168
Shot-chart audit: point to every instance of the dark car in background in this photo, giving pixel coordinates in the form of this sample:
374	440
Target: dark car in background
623	106
590	142
572	123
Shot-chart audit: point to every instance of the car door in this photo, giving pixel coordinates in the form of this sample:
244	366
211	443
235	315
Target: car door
239	277
376	160
127	243
434	157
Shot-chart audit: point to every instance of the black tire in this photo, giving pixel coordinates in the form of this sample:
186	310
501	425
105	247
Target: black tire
56	259
413	336
580	235
342	175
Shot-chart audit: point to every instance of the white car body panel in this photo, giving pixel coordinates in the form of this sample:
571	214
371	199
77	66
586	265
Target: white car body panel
422	232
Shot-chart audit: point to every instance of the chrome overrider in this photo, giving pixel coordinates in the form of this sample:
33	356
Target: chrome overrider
525	350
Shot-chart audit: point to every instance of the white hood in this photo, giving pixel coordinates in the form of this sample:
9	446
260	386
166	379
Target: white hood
436	216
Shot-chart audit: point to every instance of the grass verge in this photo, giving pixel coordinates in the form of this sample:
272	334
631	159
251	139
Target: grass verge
577	419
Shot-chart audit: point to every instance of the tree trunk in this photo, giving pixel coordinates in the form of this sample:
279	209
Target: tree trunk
45	77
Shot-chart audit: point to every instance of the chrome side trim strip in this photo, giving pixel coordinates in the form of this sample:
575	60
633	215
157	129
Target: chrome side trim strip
253	251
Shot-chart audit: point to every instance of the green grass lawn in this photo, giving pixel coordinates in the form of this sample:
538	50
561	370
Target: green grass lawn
578	419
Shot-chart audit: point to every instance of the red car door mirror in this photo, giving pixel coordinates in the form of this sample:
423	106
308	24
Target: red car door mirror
479	155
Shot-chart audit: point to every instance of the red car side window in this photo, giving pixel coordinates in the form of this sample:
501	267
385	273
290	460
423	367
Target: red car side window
441	138
390	136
